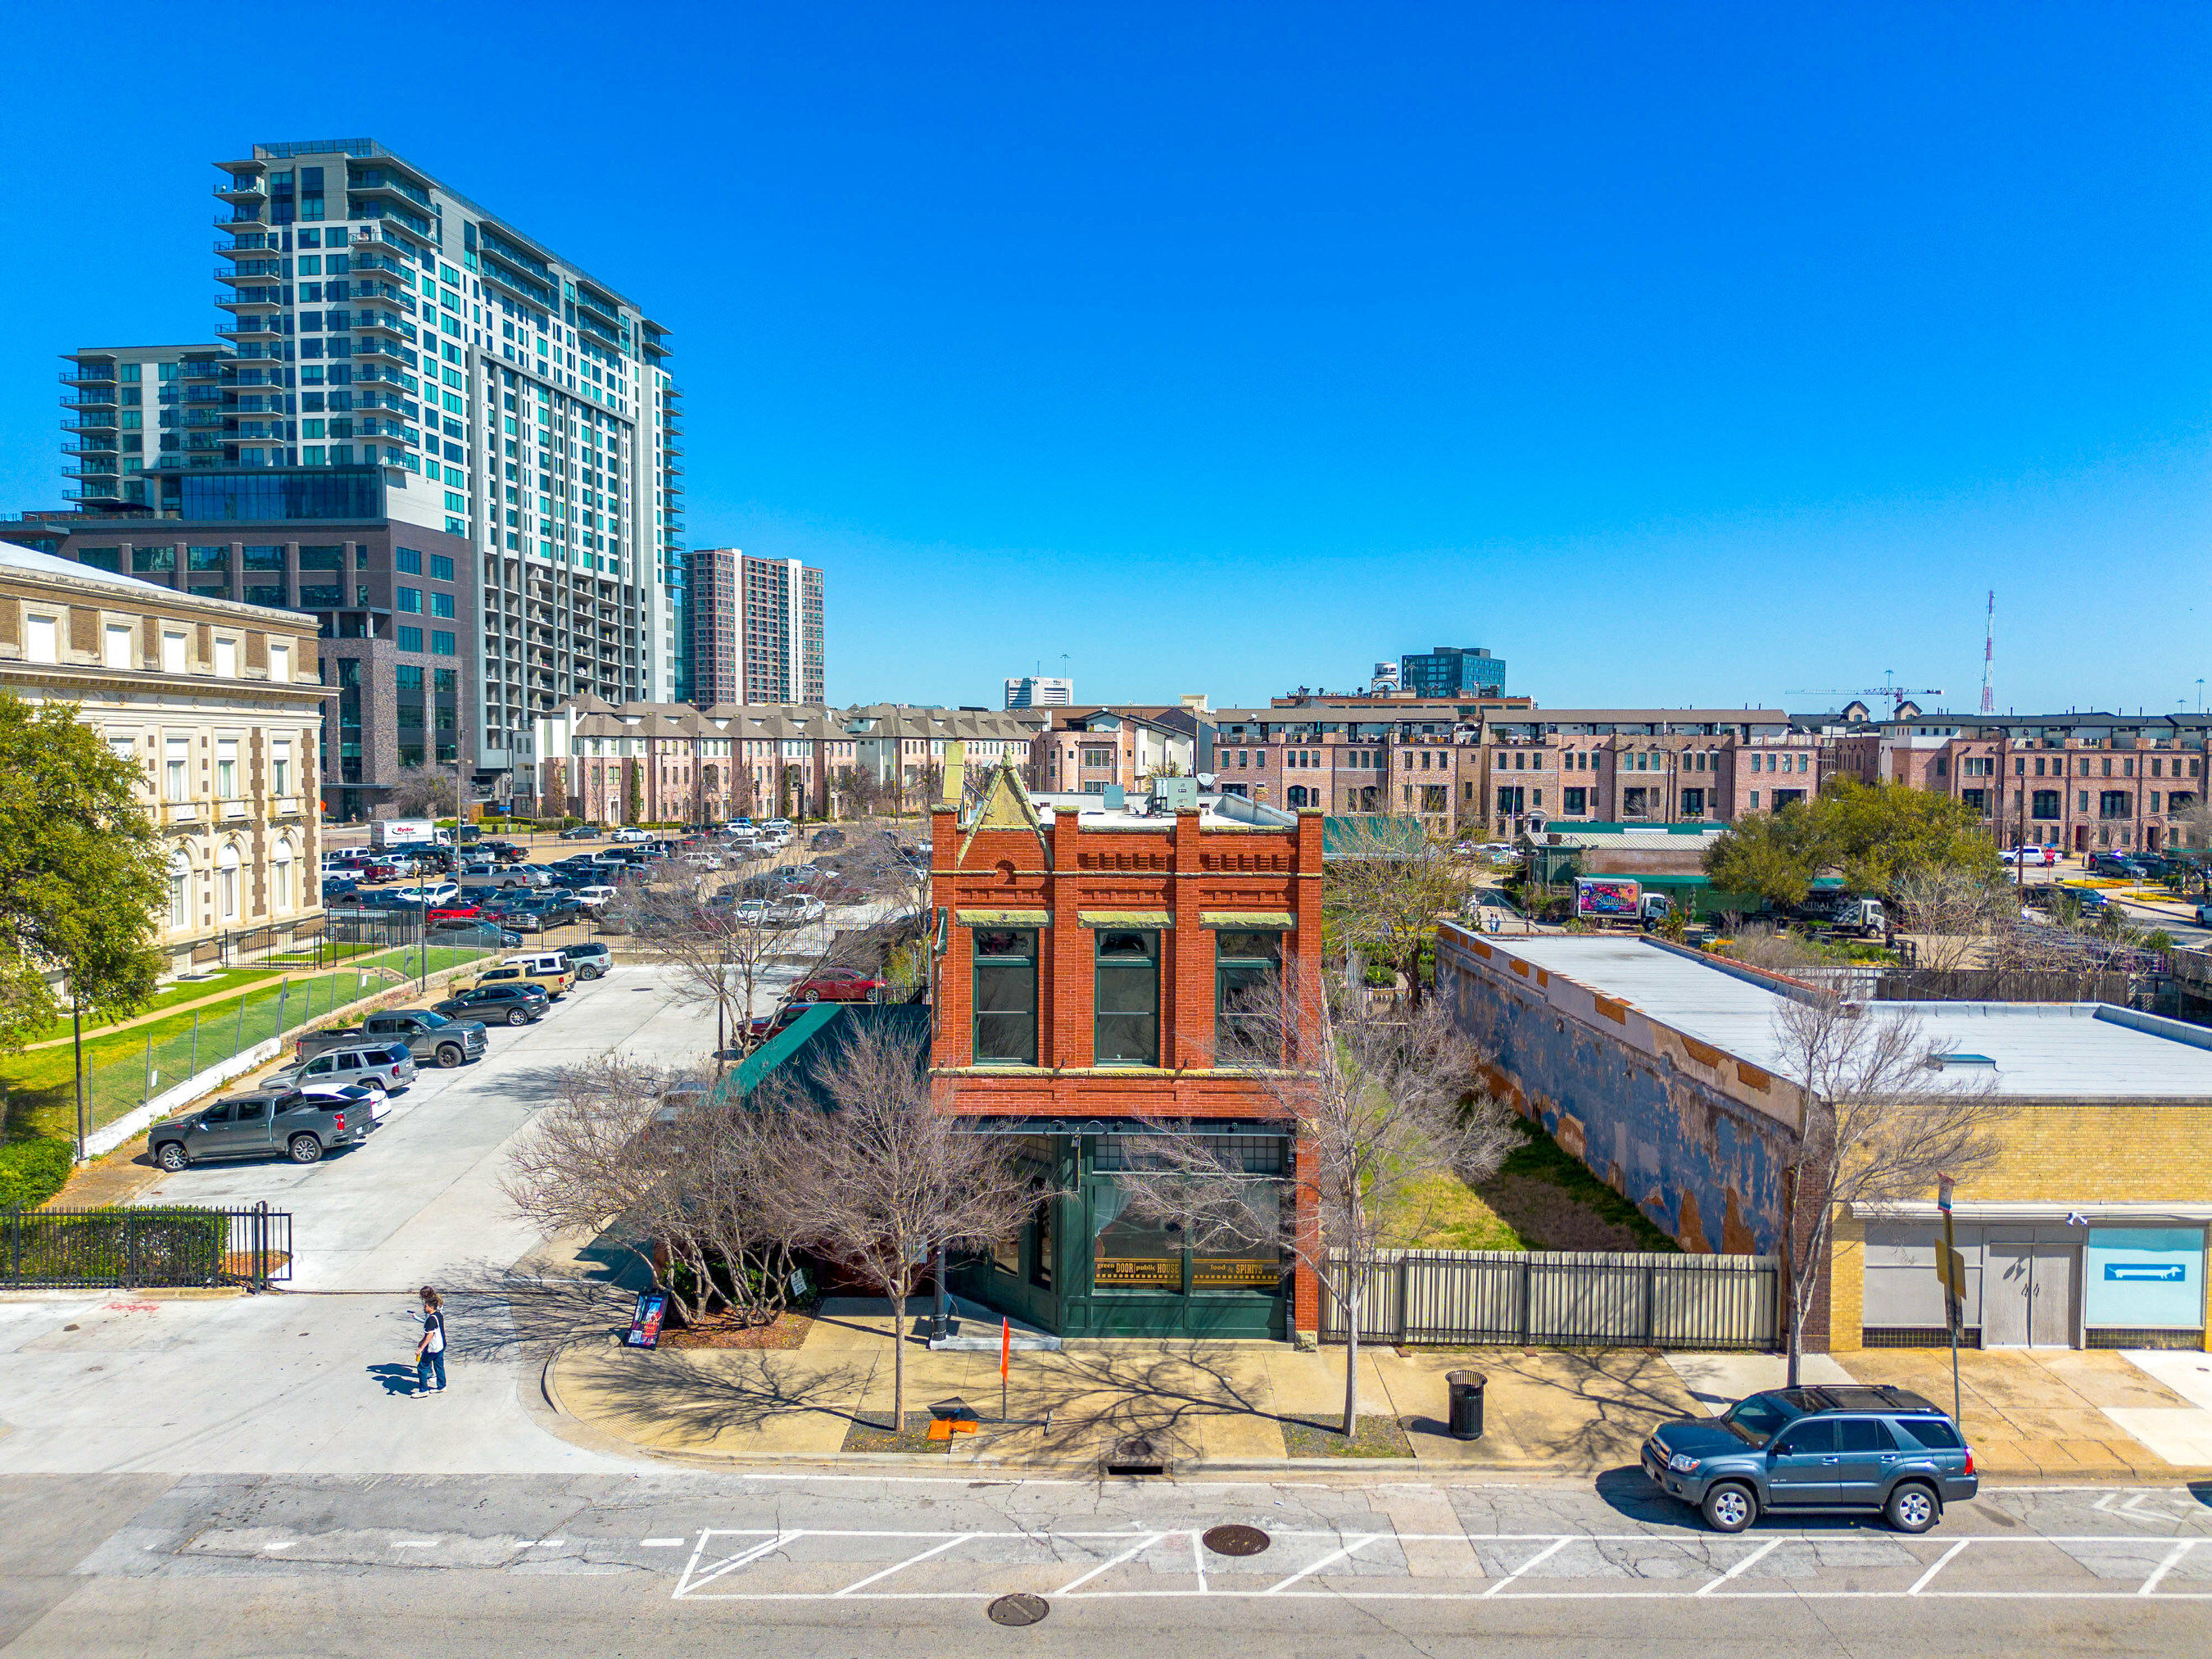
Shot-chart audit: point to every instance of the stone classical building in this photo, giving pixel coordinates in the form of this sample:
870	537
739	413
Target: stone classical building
219	705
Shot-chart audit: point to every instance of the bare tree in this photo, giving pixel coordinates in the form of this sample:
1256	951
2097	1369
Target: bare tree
1882	1115
1385	887
1386	1100
883	1177
1952	913
687	1175
1763	945
423	792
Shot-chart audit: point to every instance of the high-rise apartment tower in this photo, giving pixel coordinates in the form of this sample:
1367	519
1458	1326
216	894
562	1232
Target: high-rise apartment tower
756	629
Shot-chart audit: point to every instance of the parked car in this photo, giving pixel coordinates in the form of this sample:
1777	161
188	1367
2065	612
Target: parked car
2033	858
580	832
777	826
822	840
428	1035
1832	1447
629	832
370	1097
590	960
2117	864
550	970
460	910
486	933
839	985
2089	899
259	1123
388	1065
515	1002
795	910
765	1026
340	890
591	898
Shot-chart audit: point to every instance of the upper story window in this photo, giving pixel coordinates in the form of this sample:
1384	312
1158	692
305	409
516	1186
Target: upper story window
1248	967
117	653
42	639
1127	1003
1005	996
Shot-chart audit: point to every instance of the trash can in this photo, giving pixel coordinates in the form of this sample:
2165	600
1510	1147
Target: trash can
1466	1410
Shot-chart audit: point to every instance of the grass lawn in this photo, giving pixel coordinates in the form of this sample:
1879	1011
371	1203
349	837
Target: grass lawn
191	990
40	1097
1541	1198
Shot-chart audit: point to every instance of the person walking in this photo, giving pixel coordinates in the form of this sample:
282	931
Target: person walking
430	1351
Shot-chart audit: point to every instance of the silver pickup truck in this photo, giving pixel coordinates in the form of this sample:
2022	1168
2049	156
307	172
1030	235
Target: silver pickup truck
260	1123
430	1037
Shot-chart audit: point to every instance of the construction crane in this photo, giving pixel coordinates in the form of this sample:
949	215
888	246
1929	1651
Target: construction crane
1896	694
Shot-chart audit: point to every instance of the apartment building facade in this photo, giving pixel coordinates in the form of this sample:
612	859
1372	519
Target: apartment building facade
669	762
404	370
1451	671
1084	750
756	629
1498	770
2082	782
218	705
128	414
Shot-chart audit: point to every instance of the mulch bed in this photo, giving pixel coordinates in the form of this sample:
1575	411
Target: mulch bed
722	1331
1378	1436
868	1434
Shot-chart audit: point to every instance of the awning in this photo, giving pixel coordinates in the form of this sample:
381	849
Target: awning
1125	918
1259	918
1005	918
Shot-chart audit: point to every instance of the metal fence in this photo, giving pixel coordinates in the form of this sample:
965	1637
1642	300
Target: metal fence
1566	1298
368	956
150	1248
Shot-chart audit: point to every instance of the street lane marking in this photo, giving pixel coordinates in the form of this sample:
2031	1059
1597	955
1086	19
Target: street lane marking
1330	1560
691	1582
2173	1559
1942	1562
1537	1559
1142	1545
278	1547
949	1543
1198	1561
1742	1566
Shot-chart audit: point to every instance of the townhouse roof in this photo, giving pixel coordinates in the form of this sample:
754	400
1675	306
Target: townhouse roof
2051	1050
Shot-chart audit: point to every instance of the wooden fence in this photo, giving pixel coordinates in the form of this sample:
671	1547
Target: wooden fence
1567	1299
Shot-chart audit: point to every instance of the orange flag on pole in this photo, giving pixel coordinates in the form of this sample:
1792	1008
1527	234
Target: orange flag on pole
1006	1346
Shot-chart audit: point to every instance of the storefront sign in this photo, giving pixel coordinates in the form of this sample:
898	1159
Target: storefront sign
2145	1277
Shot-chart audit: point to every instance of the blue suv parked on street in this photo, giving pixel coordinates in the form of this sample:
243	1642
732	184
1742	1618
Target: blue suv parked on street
1840	1446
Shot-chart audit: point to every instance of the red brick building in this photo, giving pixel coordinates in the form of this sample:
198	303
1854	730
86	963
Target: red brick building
1086	960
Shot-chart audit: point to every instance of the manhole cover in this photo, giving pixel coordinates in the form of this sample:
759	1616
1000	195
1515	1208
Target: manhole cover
1236	1540
1020	1610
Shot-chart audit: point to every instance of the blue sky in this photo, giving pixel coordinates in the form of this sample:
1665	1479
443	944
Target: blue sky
1675	354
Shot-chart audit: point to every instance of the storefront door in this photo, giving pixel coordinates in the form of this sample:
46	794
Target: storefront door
2027	1294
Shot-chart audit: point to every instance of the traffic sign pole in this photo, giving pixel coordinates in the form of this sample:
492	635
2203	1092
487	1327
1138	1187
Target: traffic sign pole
1955	1288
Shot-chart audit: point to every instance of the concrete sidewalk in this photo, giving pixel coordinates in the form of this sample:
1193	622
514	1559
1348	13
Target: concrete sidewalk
1227	1405
1222	1405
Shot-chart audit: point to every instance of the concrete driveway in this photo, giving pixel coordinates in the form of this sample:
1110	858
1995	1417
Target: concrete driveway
317	1377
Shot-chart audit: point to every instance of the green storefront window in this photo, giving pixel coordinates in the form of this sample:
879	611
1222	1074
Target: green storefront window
1247	979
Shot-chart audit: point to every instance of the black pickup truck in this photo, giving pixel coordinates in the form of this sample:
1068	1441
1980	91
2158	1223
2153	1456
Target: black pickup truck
261	1123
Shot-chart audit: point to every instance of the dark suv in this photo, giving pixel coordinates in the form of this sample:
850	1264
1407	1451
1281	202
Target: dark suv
1833	1447
516	1002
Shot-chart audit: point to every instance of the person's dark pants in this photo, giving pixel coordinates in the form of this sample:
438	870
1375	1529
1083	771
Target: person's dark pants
425	1366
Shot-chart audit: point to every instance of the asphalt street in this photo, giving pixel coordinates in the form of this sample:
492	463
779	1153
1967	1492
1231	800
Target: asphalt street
681	1563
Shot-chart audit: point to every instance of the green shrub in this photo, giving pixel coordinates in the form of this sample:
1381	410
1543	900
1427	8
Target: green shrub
32	1170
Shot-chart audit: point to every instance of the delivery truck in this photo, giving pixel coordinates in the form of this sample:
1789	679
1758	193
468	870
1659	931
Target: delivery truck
1619	902
397	835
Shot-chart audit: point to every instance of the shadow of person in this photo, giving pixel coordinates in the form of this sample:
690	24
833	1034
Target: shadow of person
396	1378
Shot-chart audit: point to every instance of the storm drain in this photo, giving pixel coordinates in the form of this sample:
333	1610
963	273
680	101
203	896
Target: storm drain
1019	1610
1235	1541
1138	1455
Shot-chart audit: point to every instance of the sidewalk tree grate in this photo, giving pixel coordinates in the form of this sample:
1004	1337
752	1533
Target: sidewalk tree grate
1235	1541
1020	1610
1137	1455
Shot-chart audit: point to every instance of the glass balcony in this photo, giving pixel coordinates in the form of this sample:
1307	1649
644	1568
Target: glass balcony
240	190
89	374
249	328
251	299
98	407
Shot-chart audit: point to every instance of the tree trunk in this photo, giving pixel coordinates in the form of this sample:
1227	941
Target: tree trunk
1351	1306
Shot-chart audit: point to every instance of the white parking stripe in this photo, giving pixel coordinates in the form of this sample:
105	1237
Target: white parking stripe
949	1543
1742	1566
693	1579
1140	1547
1537	1559
2173	1559
1329	1560
1942	1562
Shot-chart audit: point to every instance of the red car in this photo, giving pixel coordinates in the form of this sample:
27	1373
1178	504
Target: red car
380	872
452	913
838	985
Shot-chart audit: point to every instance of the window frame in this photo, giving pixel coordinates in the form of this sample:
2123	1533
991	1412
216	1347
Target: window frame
1002	962
1100	967
1226	964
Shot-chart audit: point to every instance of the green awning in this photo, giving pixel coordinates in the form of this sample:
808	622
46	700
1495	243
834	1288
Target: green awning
1005	918
1247	919
1125	918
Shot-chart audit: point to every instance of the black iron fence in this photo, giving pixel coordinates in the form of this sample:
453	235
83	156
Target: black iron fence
1566	1298
155	1248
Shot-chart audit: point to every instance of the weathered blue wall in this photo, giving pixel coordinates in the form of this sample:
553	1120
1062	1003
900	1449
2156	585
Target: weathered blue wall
1654	1116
